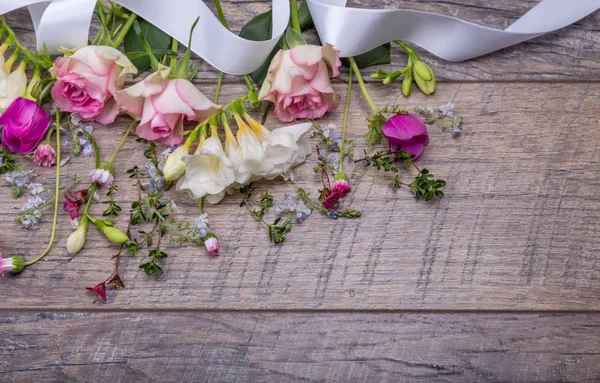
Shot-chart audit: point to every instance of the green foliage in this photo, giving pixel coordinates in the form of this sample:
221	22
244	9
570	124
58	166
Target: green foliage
425	186
157	40
377	56
7	161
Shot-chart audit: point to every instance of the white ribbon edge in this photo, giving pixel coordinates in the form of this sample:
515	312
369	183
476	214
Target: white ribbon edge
358	30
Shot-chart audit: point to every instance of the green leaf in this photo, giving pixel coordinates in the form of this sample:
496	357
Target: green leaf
377	56
294	38
157	39
304	16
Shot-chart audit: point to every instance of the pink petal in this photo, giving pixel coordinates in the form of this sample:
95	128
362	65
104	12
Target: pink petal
109	112
306	55
321	81
332	58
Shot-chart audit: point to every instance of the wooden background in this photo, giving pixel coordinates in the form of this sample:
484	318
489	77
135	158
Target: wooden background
499	281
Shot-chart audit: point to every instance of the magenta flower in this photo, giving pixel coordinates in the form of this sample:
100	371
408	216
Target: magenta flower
408	132
44	156
24	124
331	200
99	289
74	200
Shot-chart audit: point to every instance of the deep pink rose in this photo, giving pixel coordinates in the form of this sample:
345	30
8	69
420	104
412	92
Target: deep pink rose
87	81
24	126
408	132
162	104
298	82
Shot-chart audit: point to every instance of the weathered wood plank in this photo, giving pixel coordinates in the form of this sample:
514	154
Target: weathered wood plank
517	230
271	347
568	54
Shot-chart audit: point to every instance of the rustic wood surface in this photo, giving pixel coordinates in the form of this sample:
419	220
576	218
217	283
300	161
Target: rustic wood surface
498	281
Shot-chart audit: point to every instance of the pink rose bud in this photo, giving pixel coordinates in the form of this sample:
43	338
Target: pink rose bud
162	104
44	156
331	200
87	81
212	245
102	177
408	132
298	82
341	186
25	125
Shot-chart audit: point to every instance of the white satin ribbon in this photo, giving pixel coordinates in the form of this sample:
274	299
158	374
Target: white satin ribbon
67	23
355	31
351	30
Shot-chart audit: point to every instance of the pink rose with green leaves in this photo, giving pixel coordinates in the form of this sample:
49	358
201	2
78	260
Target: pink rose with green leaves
87	81
298	82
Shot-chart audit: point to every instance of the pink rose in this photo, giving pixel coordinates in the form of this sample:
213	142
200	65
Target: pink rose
87	81
162	104
298	82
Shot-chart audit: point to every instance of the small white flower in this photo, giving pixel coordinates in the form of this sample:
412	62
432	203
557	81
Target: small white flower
209	172
447	110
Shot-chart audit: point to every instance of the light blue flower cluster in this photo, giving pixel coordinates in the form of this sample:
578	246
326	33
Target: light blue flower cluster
294	207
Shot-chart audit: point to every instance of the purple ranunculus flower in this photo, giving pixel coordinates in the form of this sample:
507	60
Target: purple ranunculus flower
24	125
408	132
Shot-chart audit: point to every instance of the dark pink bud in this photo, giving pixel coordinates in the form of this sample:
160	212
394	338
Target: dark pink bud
331	200
45	156
408	132
341	187
24	125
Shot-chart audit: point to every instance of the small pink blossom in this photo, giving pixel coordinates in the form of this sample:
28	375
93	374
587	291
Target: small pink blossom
44	156
407	132
331	200
102	177
11	264
212	245
298	82
74	200
99	289
341	187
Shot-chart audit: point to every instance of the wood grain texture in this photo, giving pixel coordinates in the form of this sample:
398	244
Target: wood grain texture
271	347
567	54
517	230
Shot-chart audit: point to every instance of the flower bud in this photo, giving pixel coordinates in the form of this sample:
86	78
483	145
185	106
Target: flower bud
422	75
102	177
76	240
212	244
407	83
422	70
341	186
174	166
379	75
44	156
11	264
114	235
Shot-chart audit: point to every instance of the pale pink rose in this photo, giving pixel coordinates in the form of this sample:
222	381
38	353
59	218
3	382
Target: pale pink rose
44	156
298	82
87	81
162	104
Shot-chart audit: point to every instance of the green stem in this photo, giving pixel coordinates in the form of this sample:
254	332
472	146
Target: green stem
56	195
218	90
201	205
217	4
89	201
174	48
361	83
118	148
345	124
295	17
123	32
411	53
248	80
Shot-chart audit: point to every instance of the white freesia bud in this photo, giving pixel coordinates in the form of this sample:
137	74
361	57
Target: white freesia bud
76	240
174	166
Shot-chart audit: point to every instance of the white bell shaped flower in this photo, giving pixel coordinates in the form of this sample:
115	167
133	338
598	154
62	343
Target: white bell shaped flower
12	86
252	146
209	171
286	151
233	151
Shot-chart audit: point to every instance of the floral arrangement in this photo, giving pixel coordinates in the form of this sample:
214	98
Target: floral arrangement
196	144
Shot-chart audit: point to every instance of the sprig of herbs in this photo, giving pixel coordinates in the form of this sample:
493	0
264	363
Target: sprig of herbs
333	214
113	208
422	186
258	208
7	161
